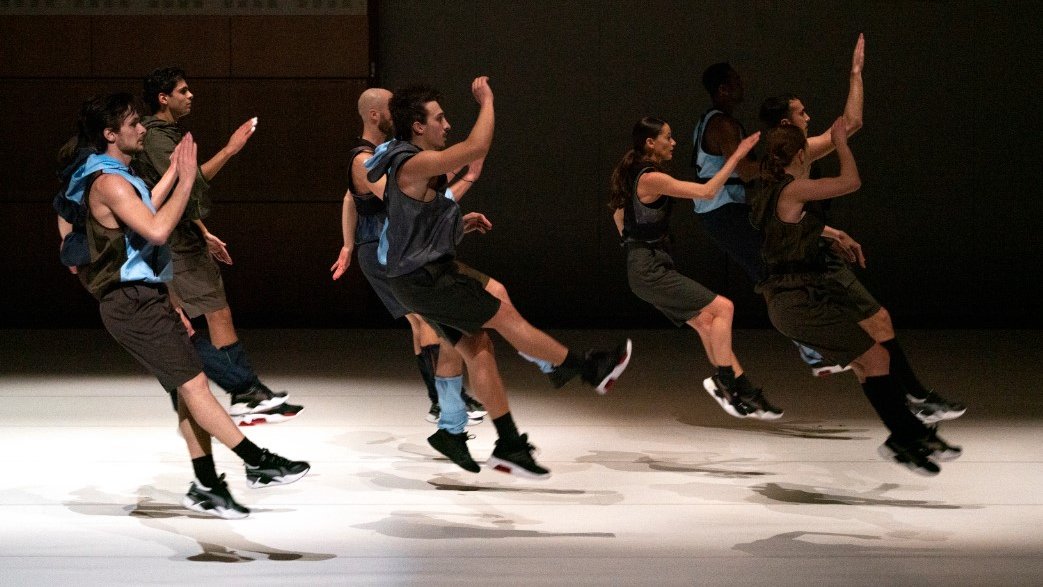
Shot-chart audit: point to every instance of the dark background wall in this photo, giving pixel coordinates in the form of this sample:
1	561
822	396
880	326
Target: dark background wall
949	153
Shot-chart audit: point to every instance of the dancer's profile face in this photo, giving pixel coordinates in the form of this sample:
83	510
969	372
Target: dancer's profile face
798	116
179	101
661	148
435	128
130	138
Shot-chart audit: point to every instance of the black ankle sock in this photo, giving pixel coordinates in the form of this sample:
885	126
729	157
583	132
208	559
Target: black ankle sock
205	471
887	397
742	383
505	427
427	373
901	369
249	452
572	362
726	374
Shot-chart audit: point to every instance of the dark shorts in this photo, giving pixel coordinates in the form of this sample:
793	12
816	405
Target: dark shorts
822	312
448	294
652	277
197	286
142	321
377	276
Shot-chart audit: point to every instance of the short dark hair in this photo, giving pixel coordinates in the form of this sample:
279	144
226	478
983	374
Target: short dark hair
775	109
716	76
97	114
408	105
160	81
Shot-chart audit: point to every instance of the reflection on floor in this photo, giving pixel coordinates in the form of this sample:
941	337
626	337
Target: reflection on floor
652	484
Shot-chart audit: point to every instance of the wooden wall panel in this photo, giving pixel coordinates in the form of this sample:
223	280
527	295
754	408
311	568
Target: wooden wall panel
300	46
135	45
29	46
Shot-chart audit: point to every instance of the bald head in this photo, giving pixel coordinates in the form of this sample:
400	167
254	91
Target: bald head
373	99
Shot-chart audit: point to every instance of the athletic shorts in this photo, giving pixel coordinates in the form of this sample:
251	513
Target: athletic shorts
197	286
377	276
141	319
449	295
822	312
652	277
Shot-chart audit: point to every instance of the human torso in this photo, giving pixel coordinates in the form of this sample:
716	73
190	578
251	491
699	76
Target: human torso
707	165
646	222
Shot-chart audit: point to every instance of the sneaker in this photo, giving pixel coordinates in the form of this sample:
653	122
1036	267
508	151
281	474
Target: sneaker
764	410
824	370
275	470
602	368
257	398
934	408
729	399
913	455
278	414
940	450
454	447
434	413
215	501
515	458
475	410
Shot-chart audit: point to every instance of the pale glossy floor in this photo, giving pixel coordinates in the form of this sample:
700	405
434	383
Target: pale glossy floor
652	484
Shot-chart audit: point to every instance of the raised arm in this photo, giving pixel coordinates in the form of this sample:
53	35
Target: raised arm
652	185
822	145
349	219
126	205
428	163
235	144
161	190
793	196
462	183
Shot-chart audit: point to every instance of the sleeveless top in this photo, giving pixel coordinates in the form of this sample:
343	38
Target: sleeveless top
372	212
418	232
707	165
789	247
648	223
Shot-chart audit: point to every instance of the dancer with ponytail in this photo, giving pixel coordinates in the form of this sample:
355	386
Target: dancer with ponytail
822	305
642	198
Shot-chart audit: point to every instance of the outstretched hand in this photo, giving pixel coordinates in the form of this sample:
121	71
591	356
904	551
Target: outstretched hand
242	134
218	248
747	144
848	249
342	263
476	221
859	57
481	90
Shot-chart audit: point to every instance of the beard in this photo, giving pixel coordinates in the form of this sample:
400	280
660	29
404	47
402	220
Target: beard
386	127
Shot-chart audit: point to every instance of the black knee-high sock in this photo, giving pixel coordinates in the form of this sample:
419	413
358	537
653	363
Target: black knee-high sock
205	471
249	452
505	427
901	369
888	399
427	362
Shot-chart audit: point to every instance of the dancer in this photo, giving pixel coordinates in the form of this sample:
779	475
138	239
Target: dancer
127	228
197	288
811	301
460	302
642	198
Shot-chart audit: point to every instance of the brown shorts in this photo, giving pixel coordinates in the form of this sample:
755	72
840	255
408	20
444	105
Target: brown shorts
652	278
822	312
141	319
449	295
197	286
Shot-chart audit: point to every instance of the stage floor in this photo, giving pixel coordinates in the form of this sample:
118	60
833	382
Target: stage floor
652	484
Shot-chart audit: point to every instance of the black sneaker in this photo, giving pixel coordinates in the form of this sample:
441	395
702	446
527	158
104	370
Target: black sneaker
940	450
729	399
454	448
215	501
434	413
934	408
602	368
475	410
911	454
278	414
764	410
515	458
258	398
275	470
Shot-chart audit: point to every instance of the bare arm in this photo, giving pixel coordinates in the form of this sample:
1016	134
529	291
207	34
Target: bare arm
235	144
348	222
216	247
845	246
652	185
359	179
794	195
822	145
617	217
64	228
117	198
426	164
723	135
462	184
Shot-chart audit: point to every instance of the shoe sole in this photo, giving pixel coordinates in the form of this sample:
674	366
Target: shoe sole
936	417
272	418
727	407
261	407
827	371
892	456
281	480
474	421
946	456
759	415
463	466
606	384
498	464
217	512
